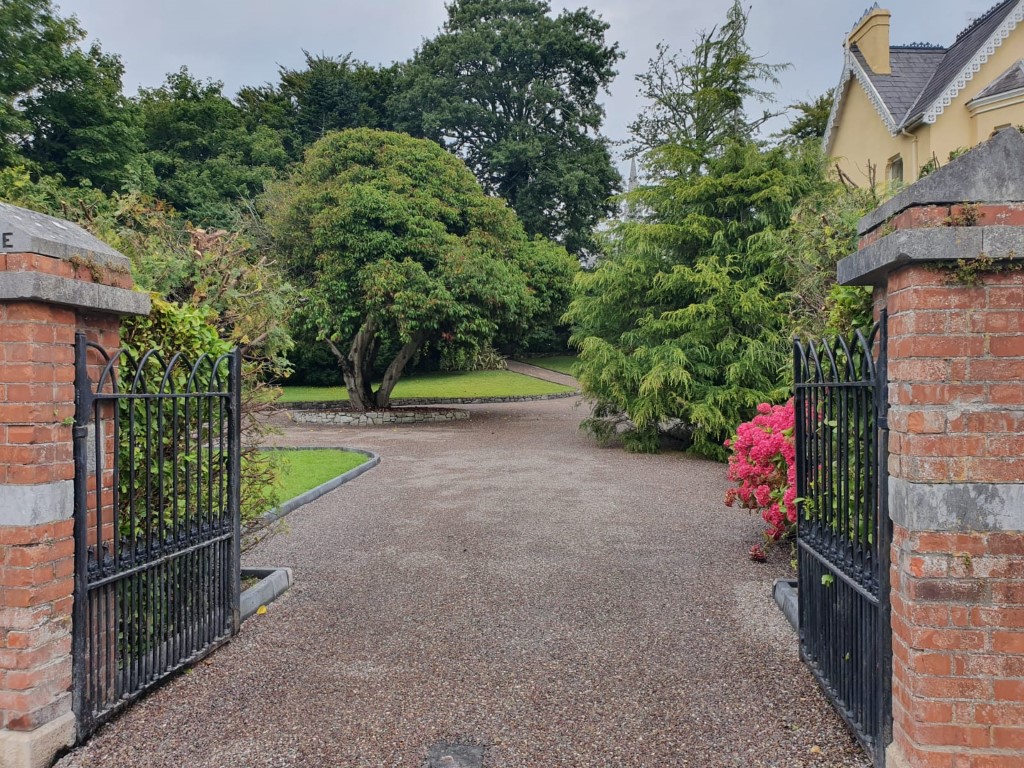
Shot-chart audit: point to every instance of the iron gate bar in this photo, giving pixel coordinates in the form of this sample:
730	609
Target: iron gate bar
843	528
154	598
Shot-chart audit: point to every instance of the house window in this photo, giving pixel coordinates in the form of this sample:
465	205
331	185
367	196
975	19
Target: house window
894	170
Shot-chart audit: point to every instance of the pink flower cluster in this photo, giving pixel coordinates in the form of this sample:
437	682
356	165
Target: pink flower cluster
763	462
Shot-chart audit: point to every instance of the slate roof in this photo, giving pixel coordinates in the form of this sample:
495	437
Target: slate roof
912	69
923	74
967	45
1011	80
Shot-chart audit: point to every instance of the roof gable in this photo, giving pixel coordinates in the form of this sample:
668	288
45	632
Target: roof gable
973	47
1011	80
912	69
926	79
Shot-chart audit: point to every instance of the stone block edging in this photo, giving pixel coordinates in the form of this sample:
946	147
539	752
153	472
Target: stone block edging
37	748
312	494
25	505
63	291
872	264
273	582
377	418
320	405
957	507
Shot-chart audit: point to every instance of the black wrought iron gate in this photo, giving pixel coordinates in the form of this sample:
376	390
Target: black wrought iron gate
157	466
843	528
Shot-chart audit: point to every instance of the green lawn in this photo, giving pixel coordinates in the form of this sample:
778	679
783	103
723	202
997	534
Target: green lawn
559	363
446	384
304	470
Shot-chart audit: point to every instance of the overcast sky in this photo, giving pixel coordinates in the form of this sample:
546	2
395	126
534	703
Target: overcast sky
242	42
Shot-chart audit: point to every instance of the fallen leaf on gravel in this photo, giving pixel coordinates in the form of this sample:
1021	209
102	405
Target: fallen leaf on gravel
261	610
815	750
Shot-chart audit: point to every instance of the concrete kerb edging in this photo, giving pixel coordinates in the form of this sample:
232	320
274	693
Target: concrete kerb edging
315	493
785	593
274	582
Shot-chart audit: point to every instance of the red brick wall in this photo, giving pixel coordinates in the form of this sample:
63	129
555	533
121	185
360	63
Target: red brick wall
958	648
956	363
35	614
37	561
956	371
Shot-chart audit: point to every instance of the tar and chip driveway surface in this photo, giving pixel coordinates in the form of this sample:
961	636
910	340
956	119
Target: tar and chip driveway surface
505	583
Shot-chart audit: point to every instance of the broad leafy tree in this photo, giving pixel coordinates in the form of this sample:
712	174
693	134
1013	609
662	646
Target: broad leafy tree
398	247
514	92
61	106
204	155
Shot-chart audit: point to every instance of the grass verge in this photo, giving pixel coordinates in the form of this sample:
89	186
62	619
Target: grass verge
444	384
303	470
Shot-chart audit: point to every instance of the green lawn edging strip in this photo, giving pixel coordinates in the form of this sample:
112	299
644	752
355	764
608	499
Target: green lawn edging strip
312	494
433	387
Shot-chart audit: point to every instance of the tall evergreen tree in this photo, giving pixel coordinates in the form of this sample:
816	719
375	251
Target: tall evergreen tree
811	118
514	92
328	94
696	103
685	317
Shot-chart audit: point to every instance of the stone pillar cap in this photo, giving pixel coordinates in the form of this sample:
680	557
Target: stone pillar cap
25	231
989	173
872	264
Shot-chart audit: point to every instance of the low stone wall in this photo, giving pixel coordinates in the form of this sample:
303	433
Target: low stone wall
321	405
377	418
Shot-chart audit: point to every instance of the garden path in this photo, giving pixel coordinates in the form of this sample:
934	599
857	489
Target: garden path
541	373
505	583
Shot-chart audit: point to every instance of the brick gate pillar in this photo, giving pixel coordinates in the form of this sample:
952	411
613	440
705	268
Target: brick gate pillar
55	279
951	277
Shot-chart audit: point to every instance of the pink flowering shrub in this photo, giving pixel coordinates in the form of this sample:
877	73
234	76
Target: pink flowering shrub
763	462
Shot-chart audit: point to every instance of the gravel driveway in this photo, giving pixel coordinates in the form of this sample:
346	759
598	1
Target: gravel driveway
501	583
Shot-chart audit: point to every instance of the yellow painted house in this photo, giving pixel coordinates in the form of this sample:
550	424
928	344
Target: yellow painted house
900	107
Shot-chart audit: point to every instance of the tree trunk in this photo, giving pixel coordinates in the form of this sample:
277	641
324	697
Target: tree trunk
394	371
356	400
360	358
357	365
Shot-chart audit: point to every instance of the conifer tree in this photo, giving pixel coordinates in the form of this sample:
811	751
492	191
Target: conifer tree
698	102
684	320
